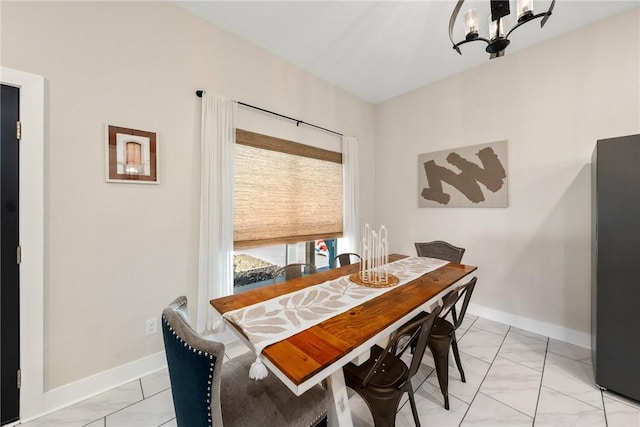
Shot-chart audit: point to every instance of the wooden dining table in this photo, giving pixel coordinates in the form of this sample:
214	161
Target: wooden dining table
319	352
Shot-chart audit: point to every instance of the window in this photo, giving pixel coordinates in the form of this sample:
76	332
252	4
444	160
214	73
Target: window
254	267
285	192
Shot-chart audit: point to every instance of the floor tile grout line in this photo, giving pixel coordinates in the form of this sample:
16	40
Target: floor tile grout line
104	421
116	411
474	357
544	364
546	339
604	409
618	400
570	358
134	403
483	379
508	406
141	388
157	393
472	323
491	332
525	366
538	340
573	398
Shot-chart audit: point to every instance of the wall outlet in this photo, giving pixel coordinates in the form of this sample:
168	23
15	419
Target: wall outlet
151	327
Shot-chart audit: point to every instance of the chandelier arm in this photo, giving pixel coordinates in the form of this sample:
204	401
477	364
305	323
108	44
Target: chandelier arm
455	46
548	14
519	24
452	21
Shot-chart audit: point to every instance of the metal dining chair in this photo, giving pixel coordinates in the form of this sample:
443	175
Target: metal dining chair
441	250
443	335
293	271
384	378
346	258
208	391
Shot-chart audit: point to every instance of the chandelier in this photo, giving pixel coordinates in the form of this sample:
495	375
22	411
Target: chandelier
497	41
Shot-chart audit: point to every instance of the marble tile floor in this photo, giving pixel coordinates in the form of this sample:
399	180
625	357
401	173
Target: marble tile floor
514	378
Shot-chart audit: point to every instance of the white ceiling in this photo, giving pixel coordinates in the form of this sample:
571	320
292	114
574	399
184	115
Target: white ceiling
377	50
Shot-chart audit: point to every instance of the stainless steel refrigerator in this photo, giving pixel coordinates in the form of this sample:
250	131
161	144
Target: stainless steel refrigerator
615	293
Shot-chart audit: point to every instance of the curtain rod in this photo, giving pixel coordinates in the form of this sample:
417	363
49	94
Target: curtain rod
199	93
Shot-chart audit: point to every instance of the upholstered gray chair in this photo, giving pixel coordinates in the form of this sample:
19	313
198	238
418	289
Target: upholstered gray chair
293	271
346	258
208	392
441	250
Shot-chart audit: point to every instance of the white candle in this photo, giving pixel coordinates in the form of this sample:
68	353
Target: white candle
375	246
375	254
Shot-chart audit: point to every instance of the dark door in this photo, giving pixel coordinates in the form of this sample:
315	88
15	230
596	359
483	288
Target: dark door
9	268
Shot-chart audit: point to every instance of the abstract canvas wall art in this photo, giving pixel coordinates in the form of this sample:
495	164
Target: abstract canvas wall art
473	176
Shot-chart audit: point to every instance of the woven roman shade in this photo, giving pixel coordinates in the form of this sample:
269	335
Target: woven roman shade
284	192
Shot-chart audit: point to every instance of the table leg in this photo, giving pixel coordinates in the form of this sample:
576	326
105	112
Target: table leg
338	412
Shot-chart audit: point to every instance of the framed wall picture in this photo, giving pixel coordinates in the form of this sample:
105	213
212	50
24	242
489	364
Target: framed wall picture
473	176
131	156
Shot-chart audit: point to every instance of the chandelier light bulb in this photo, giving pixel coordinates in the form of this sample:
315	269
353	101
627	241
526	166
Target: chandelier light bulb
525	9
471	24
496	29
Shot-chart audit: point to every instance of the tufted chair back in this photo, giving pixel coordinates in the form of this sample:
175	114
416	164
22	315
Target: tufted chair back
195	366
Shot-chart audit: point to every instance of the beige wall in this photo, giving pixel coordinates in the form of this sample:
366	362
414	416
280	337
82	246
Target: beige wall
116	254
551	102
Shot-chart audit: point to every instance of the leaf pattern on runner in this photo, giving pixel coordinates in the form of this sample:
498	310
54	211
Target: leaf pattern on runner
255	313
305	306
270	321
293	318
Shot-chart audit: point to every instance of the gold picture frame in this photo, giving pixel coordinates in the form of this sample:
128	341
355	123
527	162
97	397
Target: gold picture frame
131	156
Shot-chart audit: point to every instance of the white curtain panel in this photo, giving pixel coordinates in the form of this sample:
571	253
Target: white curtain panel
215	278
351	187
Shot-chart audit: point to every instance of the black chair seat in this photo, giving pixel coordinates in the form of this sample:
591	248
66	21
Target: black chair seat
392	373
442	328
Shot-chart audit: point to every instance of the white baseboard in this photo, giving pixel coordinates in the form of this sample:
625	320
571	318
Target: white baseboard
85	388
550	330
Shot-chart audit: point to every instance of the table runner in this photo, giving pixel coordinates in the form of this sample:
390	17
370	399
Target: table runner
274	320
